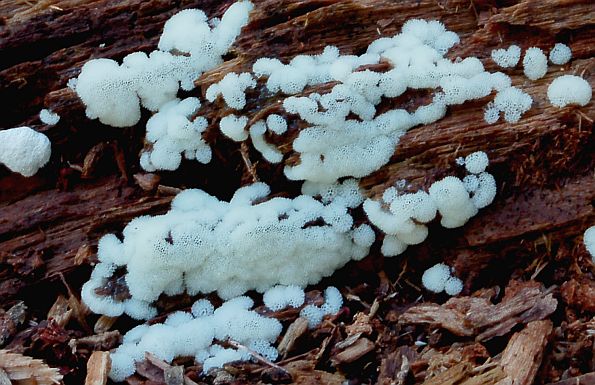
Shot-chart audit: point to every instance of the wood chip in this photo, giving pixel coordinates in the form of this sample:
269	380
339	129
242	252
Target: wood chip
452	376
522	356
19	368
360	325
82	255
104	323
60	311
103	341
147	181
294	332
98	368
395	367
174	375
354	352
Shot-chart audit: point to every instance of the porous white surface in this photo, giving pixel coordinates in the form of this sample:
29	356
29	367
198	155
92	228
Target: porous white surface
560	54
48	117
204	245
534	63
569	89
24	150
507	58
185	334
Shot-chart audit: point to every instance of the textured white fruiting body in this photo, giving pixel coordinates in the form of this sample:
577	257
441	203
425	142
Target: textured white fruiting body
48	117
113	93
24	150
204	245
507	58
560	54
569	89
534	63
456	200
589	241
195	335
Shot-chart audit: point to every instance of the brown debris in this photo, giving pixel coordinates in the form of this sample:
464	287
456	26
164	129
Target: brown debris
22	369
354	352
103	324
585	379
165	366
297	329
60	311
98	368
304	373
469	316
104	341
580	294
395	367
10	320
361	325
522	356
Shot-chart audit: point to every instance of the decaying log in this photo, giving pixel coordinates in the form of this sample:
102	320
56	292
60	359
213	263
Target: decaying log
473	316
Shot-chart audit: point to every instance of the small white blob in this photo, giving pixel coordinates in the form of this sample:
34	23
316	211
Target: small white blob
534	63
589	241
48	117
434	279
560	54
476	162
569	89
24	150
507	58
453	286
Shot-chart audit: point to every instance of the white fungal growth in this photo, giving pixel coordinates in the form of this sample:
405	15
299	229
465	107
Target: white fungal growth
234	127
589	241
560	54
232	87
48	117
534	63
438	278
190	335
24	150
507	58
113	93
434	279
204	245
476	162
172	134
333	300
513	102
280	297
335	146
569	89
404	217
